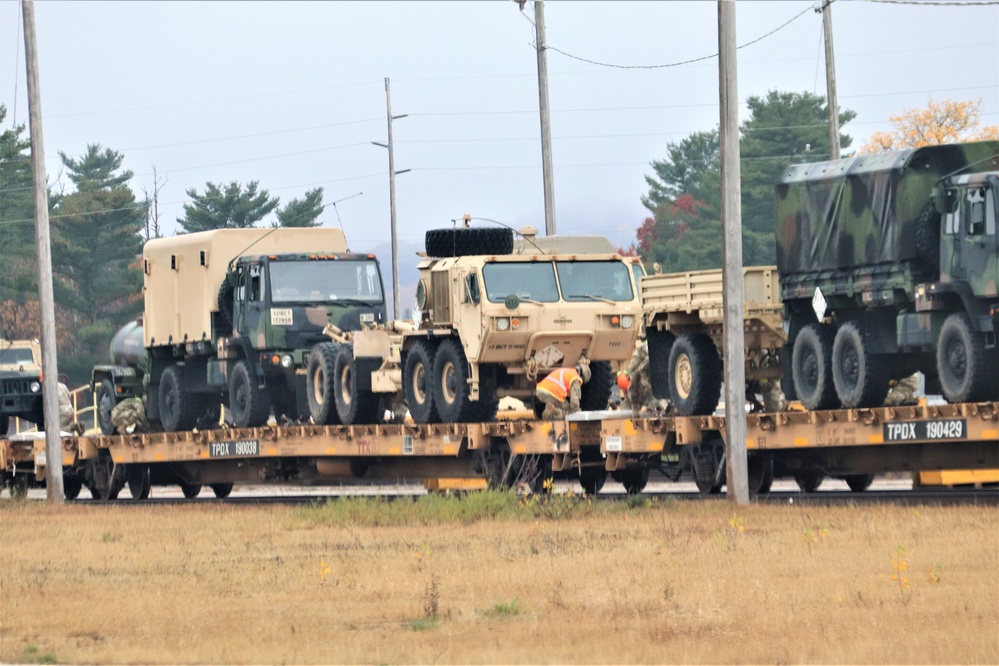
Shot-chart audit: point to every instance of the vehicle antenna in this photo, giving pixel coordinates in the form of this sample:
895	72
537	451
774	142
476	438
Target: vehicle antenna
503	224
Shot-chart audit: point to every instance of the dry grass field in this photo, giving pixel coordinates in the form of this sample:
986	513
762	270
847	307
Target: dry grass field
490	579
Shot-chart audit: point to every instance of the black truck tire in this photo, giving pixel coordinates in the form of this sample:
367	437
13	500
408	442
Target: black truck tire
811	367
354	405
695	375
178	408
962	362
319	384
106	402
418	382
928	239
463	242
451	389
660	346
595	394
858	375
249	405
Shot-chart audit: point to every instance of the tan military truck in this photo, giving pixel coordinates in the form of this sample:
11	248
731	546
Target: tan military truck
682	315
20	382
495	317
230	316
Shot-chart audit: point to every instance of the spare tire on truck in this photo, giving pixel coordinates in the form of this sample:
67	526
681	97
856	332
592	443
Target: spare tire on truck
465	241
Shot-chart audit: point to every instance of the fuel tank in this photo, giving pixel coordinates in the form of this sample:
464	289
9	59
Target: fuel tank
127	346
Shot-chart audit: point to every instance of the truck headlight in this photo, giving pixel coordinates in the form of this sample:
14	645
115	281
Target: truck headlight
286	361
35	387
627	321
502	324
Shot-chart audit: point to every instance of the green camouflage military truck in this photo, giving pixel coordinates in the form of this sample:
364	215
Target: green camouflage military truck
20	382
230	317
889	264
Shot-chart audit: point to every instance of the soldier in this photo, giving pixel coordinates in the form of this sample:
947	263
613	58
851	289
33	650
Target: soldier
561	391
903	391
130	413
67	415
635	383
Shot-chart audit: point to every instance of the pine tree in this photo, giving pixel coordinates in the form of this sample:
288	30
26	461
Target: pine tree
228	207
302	212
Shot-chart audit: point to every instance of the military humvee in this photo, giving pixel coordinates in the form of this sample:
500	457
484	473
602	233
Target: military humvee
889	264
230	316
21	382
495	317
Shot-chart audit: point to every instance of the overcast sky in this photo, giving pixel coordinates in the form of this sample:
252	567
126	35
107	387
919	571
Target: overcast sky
291	94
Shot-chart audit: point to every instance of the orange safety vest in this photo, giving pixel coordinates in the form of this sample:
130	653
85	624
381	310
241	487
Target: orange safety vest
559	382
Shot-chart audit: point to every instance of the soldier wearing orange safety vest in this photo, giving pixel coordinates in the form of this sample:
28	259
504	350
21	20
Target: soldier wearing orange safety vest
561	391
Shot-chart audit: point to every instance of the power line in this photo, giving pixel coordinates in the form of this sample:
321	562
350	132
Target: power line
682	62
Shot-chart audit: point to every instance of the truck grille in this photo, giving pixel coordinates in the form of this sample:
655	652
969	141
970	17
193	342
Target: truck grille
440	287
16	386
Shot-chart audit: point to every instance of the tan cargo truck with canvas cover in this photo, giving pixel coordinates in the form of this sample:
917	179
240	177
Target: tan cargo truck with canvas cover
682	315
496	318
230	317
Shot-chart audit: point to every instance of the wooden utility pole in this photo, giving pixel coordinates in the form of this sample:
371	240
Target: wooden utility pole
831	81
546	128
392	174
734	343
50	372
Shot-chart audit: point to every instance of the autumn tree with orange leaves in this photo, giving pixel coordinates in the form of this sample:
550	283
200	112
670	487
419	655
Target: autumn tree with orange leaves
939	123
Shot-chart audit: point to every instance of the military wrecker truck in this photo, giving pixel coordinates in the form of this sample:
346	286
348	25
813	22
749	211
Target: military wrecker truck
889	264
495	317
683	316
21	383
230	316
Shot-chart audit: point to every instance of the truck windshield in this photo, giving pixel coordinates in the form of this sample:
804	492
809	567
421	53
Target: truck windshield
311	281
594	280
531	280
17	356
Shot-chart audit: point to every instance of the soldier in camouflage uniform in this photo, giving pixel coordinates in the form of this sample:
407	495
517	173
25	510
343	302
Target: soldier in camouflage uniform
561	392
903	392
636	386
67	415
130	414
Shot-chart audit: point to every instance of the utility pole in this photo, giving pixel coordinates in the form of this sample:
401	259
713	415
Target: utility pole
546	129
734	343
831	80
392	174
50	378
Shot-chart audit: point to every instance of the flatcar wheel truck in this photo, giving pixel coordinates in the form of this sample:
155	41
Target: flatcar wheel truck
229	318
889	264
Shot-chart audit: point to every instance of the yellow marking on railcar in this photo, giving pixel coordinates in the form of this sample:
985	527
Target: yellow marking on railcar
876	438
67	462
990	434
159	457
520	448
203	454
656	446
118	460
394	450
629	427
801	441
272	451
330	450
750	443
449	450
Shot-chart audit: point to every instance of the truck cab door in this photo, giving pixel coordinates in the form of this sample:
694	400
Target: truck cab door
249	305
976	260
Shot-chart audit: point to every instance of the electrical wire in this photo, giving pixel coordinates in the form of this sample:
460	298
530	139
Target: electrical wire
683	62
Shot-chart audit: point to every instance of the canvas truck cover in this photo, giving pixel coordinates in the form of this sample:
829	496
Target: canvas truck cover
862	211
182	274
